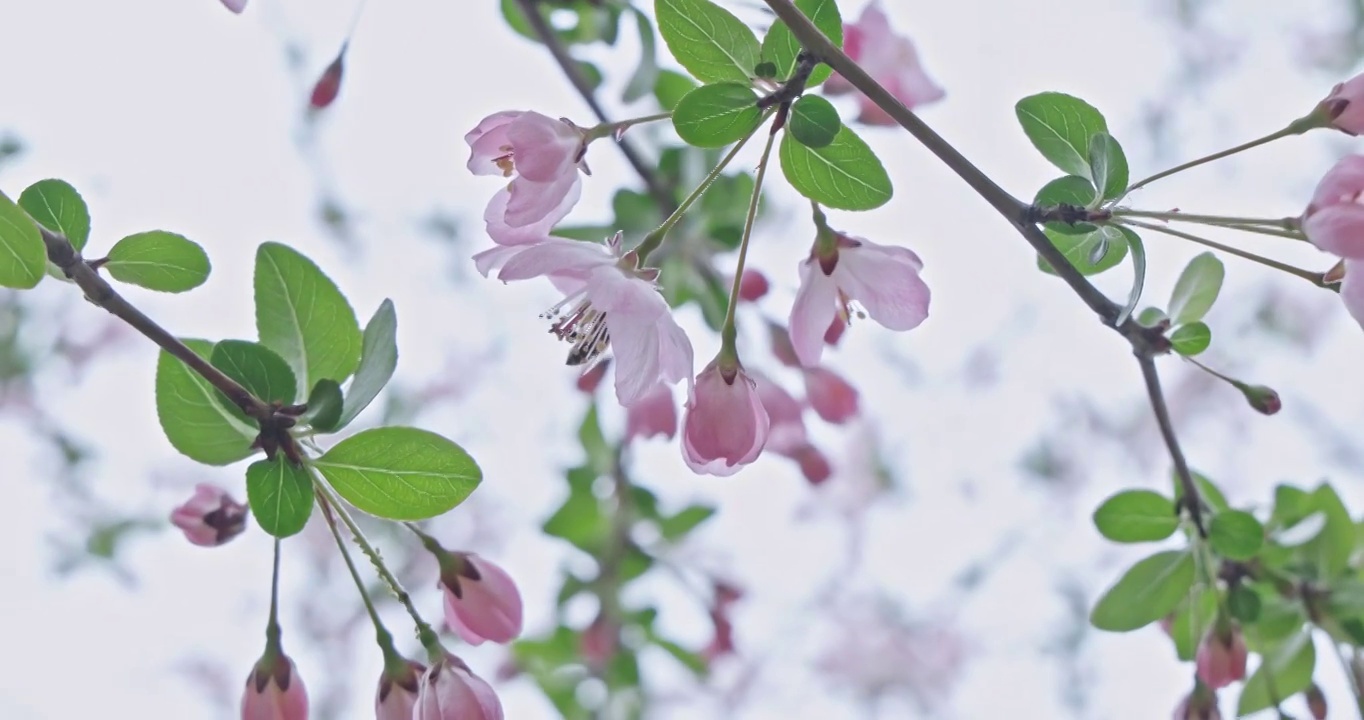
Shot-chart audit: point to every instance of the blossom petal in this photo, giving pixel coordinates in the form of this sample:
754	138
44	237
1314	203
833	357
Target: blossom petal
495	218
1352	290
1338	229
885	280
812	311
555	256
489	141
531	202
545	148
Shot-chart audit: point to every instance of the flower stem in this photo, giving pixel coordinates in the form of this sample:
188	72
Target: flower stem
1315	278
272	631
605	129
1297	127
654	239
729	331
381	634
1285	224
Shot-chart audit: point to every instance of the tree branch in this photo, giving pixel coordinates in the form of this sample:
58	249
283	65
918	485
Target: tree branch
1192	499
569	66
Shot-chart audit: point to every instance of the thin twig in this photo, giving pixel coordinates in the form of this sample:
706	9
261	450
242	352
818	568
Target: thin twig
1192	499
551	40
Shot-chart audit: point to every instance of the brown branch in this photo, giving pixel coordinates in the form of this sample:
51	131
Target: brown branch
1192	499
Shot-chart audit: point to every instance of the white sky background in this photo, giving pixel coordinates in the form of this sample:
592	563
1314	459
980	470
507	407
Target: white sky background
175	114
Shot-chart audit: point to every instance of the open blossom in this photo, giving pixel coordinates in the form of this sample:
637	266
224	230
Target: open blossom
1346	105
481	599
541	155
1221	658
1334	220
210	517
890	59
883	279
786	434
274	691
725	425
610	304
450	691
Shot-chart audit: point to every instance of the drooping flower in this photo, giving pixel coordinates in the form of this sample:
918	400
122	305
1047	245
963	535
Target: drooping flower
834	398
541	155
1334	220
1221	658
883	279
655	414
786	434
509	238
397	693
1346	105
481	599
450	691
274	691
725	424
210	517
612	304
890	59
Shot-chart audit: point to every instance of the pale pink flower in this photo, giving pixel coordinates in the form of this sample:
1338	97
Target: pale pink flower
786	417
884	279
890	59
210	517
1346	105
1221	658
814	465
1352	290
481	600
655	414
834	398
450	691
610	304
541	155
274	691
725	425
235	6
397	693
510	239
1334	220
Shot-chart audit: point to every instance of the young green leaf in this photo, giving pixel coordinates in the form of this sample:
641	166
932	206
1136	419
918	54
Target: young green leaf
1109	165
1192	339
301	315
1151	316
158	260
1138	249
845	174
1235	534
1290	664
1244	603
400	473
675	527
707	40
1147	592
1196	290
378	359
23	255
1060	127
1193	617
57	206
814	121
671	87
717	115
1330	550
780	46
1136	516
580	519
325	403
1068	190
1091	253
195	422
280	494
258	369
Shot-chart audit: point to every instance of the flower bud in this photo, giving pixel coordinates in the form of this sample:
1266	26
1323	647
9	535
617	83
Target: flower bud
274	691
1221	657
397	693
450	691
481	600
1263	399
1345	105
236	6
598	642
725	425
752	286
329	85
1316	702
834	398
1201	704
813	464
210	517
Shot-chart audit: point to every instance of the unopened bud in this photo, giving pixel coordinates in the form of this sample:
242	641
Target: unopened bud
1262	398
329	85
1316	702
752	286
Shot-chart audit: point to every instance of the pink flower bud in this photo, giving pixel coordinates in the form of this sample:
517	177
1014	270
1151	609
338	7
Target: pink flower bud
1316	702
588	381
397	693
752	286
780	339
725	425
830	395
813	464
236	6
210	517
598	642
450	691
274	691
655	414
1334	219
1221	658
1263	399
329	85
1346	105
481	600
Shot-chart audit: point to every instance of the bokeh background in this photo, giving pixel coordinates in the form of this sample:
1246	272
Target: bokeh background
946	569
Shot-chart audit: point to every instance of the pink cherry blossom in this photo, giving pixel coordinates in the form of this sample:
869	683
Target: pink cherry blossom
890	59
1346	105
655	414
1221	658
274	691
786	417
610	304
236	6
540	154
481	600
396	695
834	398
450	691
1334	220
725	424
210	517
883	279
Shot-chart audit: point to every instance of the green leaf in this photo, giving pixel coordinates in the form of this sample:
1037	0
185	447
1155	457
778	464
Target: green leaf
400	473
301	315
580	519
1290	664
1303	531
195	422
1191	622
1196	290
678	526
324	405
646	73
1244	604
1091	253
1060	127
1109	165
1138	249
281	495
1136	516
23	254
845	174
1192	339
1236	534
1068	190
691	660
378	359
57	206
814	121
1151	316
1147	592
707	40
258	369
717	115
670	87
158	260
1330	551
1206	489
780	46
